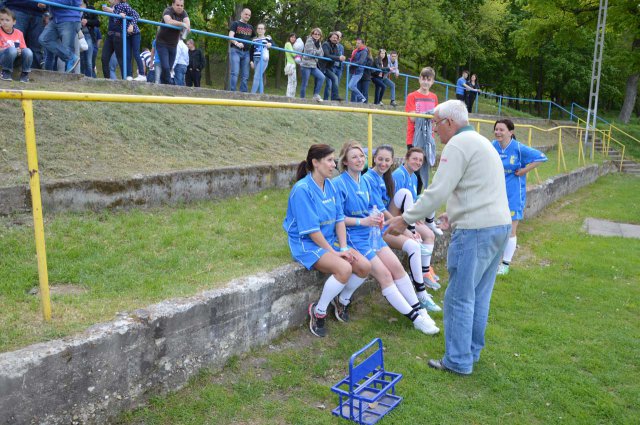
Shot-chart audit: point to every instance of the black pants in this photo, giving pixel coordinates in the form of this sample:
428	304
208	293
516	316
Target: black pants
192	77
112	43
460	97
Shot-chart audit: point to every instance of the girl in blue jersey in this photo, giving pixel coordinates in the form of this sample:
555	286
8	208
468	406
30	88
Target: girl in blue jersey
382	194
356	200
405	181
317	234
518	160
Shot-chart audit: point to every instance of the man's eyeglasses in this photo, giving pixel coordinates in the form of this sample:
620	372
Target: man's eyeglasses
437	123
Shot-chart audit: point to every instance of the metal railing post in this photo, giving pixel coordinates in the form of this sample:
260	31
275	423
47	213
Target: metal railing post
406	87
571	113
446	93
260	84
499	105
36	202
124	48
549	115
346	88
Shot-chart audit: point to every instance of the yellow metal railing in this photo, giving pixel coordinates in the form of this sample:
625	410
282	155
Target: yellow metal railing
27	98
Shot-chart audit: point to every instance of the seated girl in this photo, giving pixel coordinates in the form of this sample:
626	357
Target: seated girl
357	203
317	234
383	192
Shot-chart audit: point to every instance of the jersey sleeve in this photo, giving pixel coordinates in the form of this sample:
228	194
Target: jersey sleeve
529	155
302	205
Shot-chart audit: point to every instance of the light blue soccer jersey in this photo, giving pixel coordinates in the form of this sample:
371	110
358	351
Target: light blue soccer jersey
310	209
514	157
403	180
378	189
356	201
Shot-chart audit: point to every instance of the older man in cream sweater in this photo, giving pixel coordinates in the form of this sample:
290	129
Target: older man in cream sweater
470	179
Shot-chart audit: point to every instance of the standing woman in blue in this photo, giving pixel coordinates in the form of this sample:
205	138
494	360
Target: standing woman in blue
405	182
317	234
385	267
382	193
517	160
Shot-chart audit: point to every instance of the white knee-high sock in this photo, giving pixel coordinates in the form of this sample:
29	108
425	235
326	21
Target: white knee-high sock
396	299
353	283
406	289
426	251
510	249
332	287
412	248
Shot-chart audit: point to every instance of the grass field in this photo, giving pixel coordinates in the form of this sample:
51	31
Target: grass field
563	342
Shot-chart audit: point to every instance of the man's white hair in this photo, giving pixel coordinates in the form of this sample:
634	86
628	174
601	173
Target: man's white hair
455	110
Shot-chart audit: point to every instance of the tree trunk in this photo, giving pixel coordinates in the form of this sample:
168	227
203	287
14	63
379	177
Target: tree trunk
629	98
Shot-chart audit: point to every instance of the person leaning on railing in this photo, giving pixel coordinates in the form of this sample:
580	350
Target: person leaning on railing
239	51
167	38
309	64
60	35
331	51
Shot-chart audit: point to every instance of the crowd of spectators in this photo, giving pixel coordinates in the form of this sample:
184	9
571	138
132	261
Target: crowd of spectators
68	40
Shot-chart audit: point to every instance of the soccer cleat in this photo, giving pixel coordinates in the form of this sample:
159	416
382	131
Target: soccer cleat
424	326
341	310
430	281
316	323
429	304
503	269
6	75
433	273
24	77
72	63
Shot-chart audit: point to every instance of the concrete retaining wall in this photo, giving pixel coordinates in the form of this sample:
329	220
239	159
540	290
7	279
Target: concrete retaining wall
114	366
181	186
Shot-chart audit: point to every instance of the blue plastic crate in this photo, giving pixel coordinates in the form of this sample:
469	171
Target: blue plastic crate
368	392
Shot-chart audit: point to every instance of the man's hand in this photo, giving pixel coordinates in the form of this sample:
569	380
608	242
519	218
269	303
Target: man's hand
444	221
397	225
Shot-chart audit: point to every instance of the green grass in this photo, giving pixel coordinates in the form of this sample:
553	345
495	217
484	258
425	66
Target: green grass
129	259
563	342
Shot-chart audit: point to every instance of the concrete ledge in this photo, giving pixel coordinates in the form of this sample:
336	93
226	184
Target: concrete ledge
115	366
167	188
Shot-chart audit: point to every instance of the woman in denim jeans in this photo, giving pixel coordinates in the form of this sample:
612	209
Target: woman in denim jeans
309	65
259	58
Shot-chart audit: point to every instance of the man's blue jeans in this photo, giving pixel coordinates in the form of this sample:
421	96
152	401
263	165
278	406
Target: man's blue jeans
337	70
167	55
306	74
31	25
179	70
239	66
472	262
9	55
59	40
331	83
353	86
387	82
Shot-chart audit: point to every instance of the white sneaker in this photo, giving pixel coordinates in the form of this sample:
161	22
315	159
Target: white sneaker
141	78
425	314
317	98
424	326
129	78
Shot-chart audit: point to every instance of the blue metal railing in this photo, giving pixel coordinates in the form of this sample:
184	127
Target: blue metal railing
499	98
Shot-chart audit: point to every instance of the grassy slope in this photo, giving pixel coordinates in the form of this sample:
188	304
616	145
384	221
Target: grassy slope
96	140
562	343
